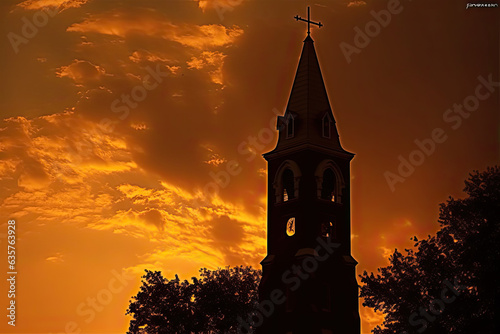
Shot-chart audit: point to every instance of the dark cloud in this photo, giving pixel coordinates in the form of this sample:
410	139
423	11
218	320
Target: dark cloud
153	217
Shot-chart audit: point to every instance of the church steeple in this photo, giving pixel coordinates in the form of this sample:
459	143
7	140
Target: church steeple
308	207
308	117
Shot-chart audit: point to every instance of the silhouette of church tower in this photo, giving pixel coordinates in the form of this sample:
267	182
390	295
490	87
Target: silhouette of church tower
308	274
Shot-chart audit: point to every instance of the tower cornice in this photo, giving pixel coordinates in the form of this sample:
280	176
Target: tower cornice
308	146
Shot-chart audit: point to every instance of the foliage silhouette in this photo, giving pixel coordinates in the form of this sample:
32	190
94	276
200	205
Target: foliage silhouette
209	304
463	255
465	250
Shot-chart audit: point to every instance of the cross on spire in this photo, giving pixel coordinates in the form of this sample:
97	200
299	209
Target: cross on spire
298	18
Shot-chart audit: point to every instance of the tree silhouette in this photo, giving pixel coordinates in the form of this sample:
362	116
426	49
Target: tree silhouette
449	283
210	304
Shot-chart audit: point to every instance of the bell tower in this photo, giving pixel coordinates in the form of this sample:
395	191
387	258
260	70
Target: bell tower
309	263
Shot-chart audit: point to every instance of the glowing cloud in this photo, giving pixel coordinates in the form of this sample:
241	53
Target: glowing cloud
81	71
62	4
356	3
57	258
213	61
218	4
123	25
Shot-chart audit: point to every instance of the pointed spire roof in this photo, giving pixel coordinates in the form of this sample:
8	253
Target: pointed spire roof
309	105
308	91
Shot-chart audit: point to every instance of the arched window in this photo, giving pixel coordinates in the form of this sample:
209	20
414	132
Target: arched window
290	124
329	181
286	182
328	230
328	185
288	185
327	124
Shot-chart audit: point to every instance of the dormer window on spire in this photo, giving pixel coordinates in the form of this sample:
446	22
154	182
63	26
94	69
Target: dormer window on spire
290	126
327	125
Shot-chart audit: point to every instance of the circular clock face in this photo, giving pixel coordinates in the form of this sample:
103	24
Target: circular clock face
290	227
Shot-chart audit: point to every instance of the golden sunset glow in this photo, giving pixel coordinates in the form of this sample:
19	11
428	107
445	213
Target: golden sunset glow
132	134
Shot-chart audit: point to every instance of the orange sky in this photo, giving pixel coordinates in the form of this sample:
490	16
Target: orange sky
116	115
